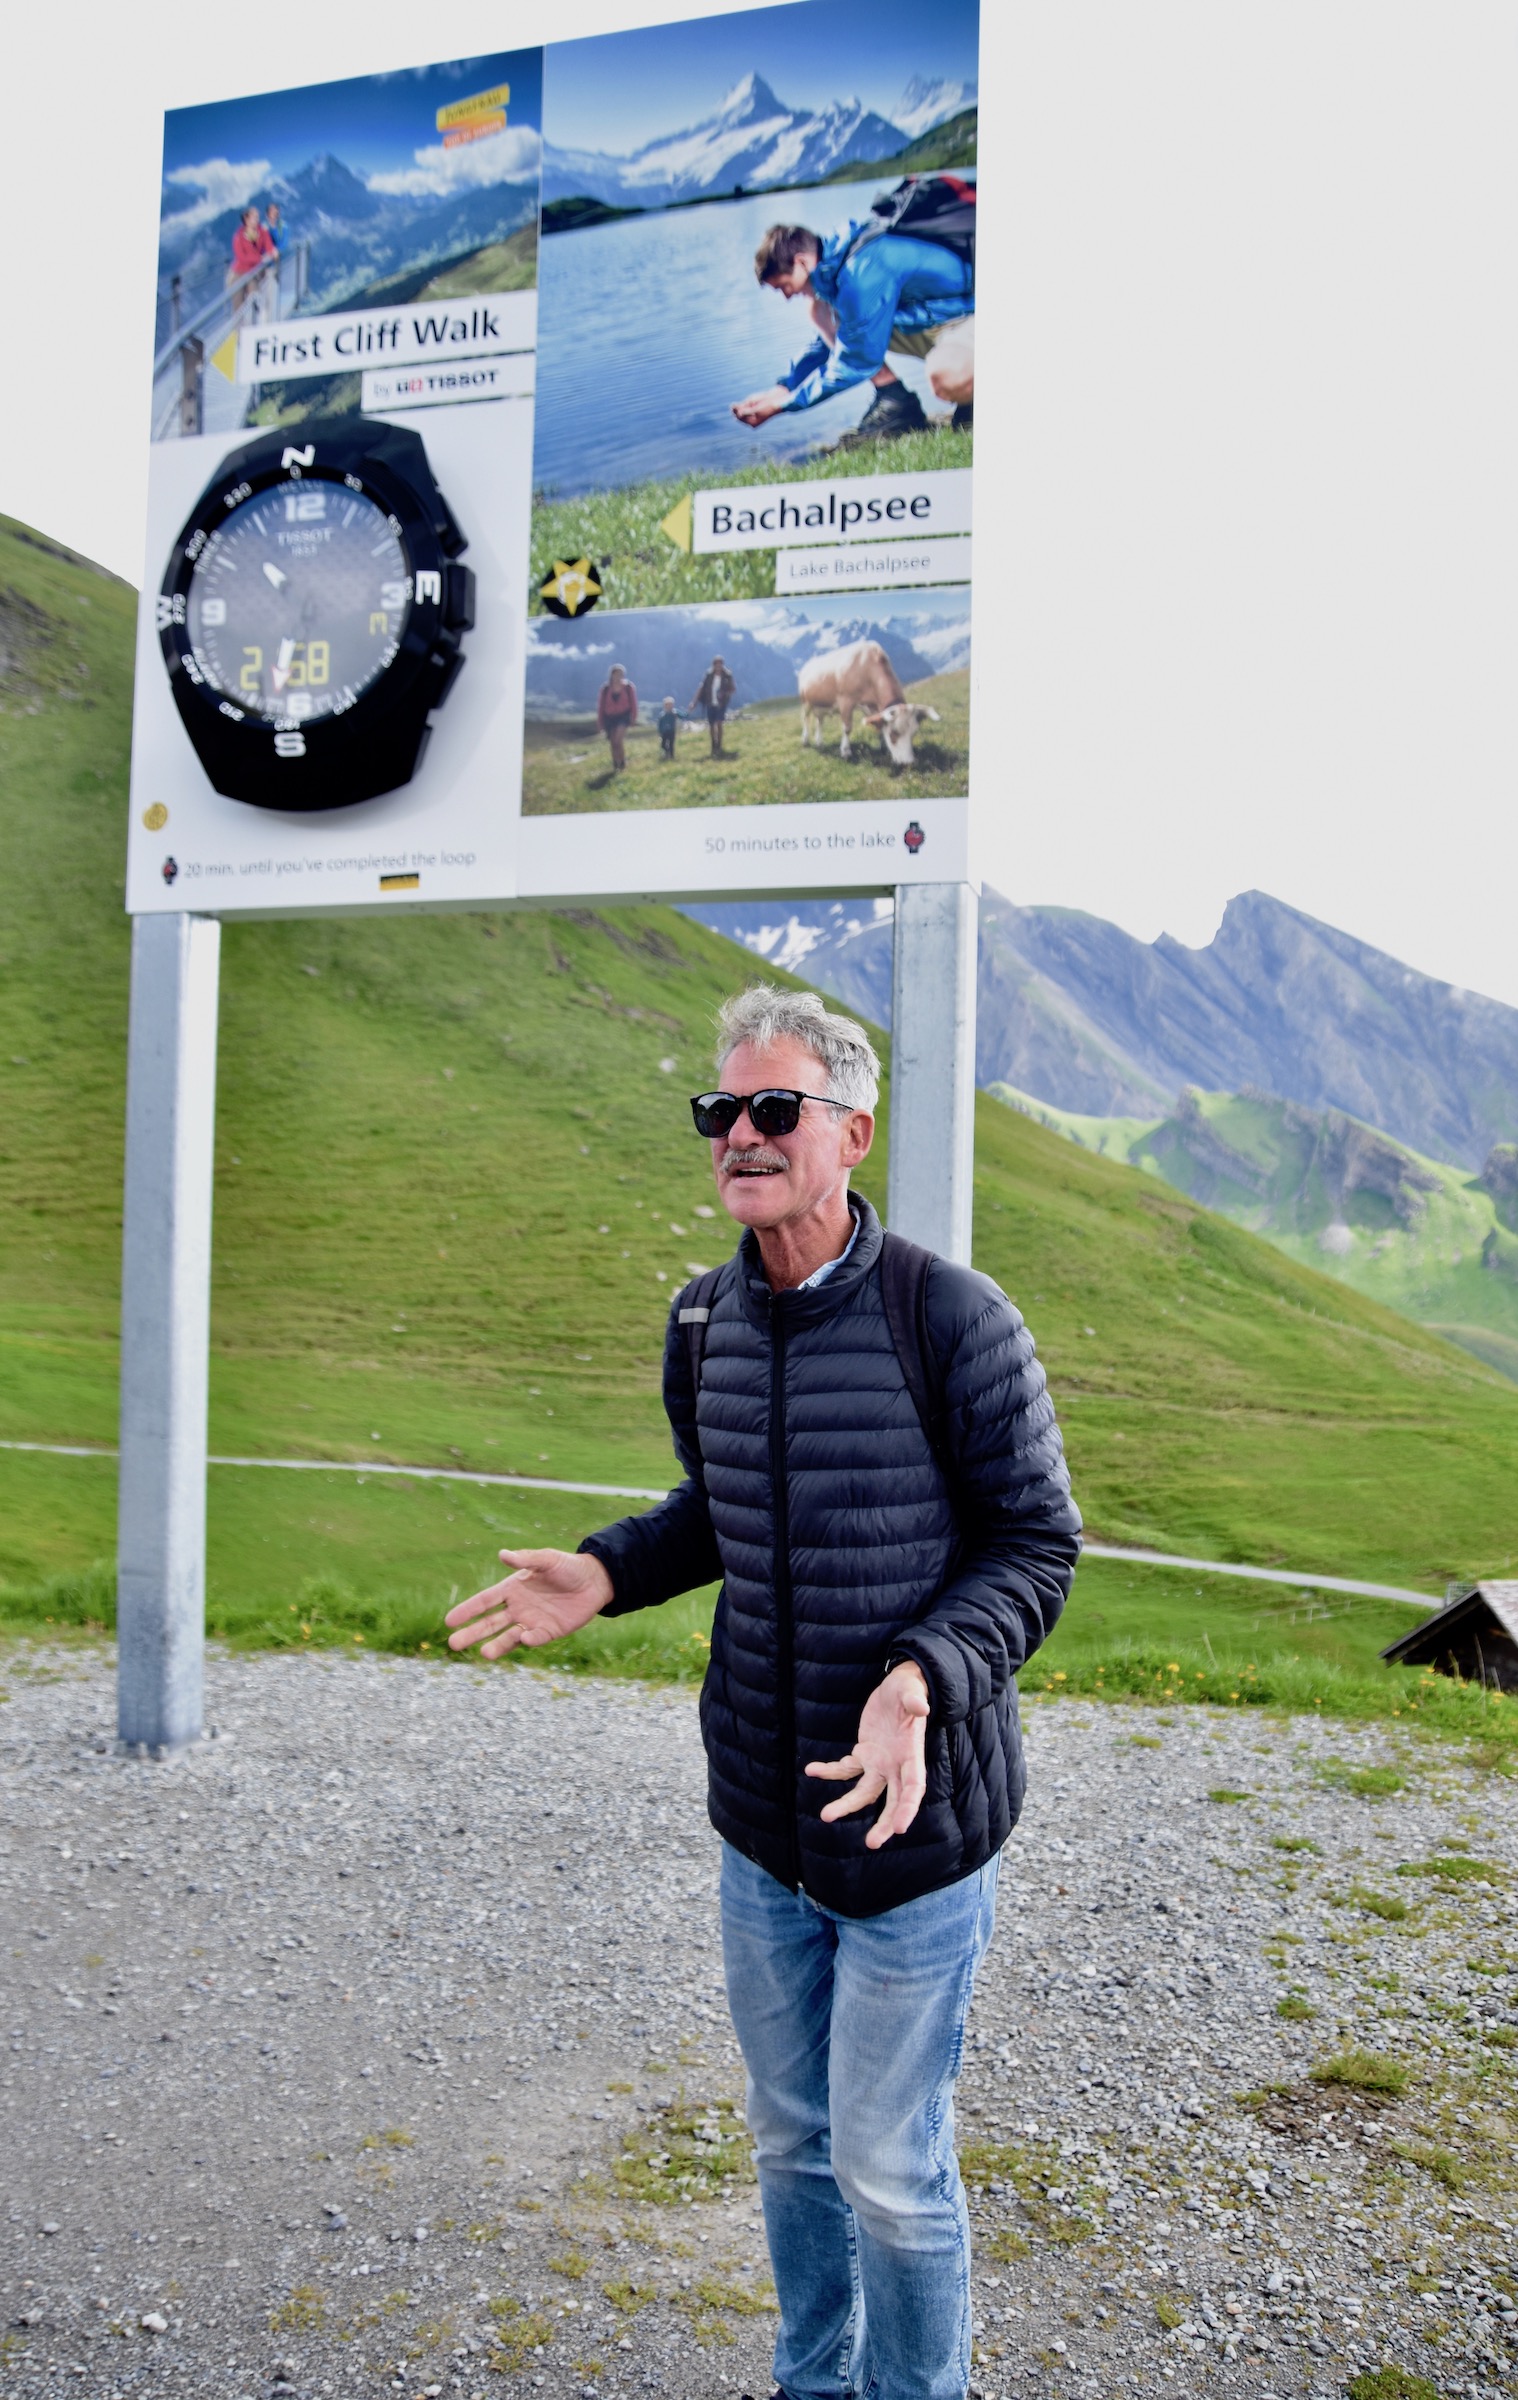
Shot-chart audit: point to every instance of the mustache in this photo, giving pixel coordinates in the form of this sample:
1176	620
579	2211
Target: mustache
736	1159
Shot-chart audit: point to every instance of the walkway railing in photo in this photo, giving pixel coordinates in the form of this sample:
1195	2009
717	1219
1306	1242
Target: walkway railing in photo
268	292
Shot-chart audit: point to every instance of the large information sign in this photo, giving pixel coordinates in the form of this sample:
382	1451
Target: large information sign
561	473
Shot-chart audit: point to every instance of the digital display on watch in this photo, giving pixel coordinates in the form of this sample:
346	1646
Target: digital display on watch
299	601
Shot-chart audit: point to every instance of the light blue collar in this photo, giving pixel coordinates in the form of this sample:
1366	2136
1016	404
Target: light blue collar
828	1264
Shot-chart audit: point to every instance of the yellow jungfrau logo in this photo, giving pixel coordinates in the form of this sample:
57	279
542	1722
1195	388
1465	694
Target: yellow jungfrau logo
678	524
572	588
478	105
224	358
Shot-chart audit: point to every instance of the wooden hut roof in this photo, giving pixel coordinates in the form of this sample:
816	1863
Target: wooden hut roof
1481	1604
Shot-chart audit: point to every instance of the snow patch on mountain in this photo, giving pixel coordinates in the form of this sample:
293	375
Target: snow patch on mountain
205	190
929	100
360	232
750	138
948	646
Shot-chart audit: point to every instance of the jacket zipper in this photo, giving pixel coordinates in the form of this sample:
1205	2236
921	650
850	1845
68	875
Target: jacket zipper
784	1634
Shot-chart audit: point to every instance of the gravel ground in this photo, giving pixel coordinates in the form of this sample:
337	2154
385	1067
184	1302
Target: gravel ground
380	2046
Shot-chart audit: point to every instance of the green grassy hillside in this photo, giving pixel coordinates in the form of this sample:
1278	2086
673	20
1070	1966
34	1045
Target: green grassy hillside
567	768
1109	1137
639	565
951	144
456	1186
1420	1236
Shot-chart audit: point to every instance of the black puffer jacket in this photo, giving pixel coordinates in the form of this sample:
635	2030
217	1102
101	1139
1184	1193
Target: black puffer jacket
813	1492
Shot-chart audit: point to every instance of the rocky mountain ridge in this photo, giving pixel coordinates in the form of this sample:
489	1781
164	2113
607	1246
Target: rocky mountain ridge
1086	1018
671	648
751	138
358	236
1420	1236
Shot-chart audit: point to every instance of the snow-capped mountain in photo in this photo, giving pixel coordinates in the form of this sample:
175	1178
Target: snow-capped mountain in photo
930	100
945	647
752	138
359	232
765	643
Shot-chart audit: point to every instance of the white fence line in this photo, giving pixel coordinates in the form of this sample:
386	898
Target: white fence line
635	1491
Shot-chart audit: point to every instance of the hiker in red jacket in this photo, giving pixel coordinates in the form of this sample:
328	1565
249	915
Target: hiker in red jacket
253	246
616	710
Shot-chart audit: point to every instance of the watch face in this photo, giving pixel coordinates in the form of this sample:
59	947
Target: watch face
299	601
312	613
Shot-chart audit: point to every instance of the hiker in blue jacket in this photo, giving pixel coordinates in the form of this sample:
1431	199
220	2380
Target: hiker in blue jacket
890	291
871	1464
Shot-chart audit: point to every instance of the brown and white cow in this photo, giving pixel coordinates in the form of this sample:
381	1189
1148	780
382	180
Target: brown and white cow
860	679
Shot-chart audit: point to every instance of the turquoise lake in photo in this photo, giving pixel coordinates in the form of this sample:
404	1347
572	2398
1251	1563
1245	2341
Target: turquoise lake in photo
650	327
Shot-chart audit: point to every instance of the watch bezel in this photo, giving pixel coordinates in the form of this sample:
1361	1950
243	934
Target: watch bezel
372	746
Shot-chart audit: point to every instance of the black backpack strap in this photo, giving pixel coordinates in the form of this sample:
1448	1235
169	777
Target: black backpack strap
694	1305
904	1291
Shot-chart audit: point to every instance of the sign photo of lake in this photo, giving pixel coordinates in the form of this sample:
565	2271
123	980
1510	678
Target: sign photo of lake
754	266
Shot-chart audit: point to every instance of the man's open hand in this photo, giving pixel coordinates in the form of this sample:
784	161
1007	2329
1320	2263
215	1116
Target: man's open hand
888	1756
553	1592
759	406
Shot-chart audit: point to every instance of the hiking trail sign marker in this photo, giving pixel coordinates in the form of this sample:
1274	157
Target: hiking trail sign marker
440	522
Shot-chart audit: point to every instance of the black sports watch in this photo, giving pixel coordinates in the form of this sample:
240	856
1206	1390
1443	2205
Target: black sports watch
311	615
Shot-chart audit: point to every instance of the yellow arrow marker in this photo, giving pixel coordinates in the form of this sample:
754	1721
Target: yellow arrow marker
226	358
678	524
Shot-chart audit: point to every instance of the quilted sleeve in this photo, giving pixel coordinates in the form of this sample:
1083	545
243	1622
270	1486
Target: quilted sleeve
1019	1526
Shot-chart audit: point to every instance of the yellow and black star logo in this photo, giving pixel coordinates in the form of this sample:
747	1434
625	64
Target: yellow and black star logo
572	589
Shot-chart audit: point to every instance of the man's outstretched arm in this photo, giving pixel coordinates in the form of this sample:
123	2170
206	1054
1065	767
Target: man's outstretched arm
759	406
636	1563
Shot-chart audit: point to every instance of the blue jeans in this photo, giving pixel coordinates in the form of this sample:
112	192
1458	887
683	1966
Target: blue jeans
852	2030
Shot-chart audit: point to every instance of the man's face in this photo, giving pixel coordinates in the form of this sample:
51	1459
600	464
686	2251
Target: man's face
795	280
769	1182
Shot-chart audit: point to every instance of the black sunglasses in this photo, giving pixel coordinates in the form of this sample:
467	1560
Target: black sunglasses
770	1113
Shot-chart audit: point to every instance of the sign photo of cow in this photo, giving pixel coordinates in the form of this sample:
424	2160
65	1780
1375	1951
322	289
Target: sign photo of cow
755	703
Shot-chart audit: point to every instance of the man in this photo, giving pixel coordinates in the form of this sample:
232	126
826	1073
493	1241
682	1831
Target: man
715	695
894	291
879	1595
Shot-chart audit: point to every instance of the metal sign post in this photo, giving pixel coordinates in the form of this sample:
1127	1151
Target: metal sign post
165	1331
930	1170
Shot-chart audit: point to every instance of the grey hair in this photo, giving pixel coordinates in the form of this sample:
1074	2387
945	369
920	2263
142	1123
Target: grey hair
765	1014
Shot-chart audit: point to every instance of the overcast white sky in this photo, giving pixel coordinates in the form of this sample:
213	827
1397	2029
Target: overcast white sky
1247	477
